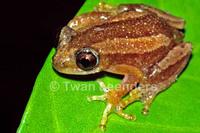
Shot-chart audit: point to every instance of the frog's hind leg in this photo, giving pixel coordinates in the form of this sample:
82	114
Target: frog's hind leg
173	21
162	76
166	72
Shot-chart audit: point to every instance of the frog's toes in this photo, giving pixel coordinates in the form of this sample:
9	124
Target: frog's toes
101	97
109	108
103	86
113	103
147	100
104	7
131	117
145	111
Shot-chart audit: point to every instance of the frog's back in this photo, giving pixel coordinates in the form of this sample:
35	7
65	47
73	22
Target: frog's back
130	37
149	25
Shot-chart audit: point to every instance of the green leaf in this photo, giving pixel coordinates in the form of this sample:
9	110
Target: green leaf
56	105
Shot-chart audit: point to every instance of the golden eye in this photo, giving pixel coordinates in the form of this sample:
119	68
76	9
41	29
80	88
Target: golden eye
87	58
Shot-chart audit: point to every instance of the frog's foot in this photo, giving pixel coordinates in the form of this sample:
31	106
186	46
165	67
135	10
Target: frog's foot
112	103
146	96
103	7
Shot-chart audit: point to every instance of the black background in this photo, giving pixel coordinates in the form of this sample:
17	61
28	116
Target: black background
26	37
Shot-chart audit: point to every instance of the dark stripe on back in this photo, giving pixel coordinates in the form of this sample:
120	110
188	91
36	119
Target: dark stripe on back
147	25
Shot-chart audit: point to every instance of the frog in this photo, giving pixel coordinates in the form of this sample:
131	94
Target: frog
140	42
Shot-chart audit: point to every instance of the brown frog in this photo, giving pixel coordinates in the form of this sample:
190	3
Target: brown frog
140	42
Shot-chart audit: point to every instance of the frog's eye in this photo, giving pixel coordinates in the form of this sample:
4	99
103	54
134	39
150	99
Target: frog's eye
87	58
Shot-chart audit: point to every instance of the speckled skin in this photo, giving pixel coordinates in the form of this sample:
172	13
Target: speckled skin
137	41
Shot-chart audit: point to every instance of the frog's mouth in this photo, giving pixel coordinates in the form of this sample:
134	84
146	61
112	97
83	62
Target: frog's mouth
69	67
76	71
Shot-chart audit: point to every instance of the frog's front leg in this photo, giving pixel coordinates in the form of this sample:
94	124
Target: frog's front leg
114	97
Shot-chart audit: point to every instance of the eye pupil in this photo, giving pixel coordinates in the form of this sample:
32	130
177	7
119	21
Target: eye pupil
87	59
85	62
